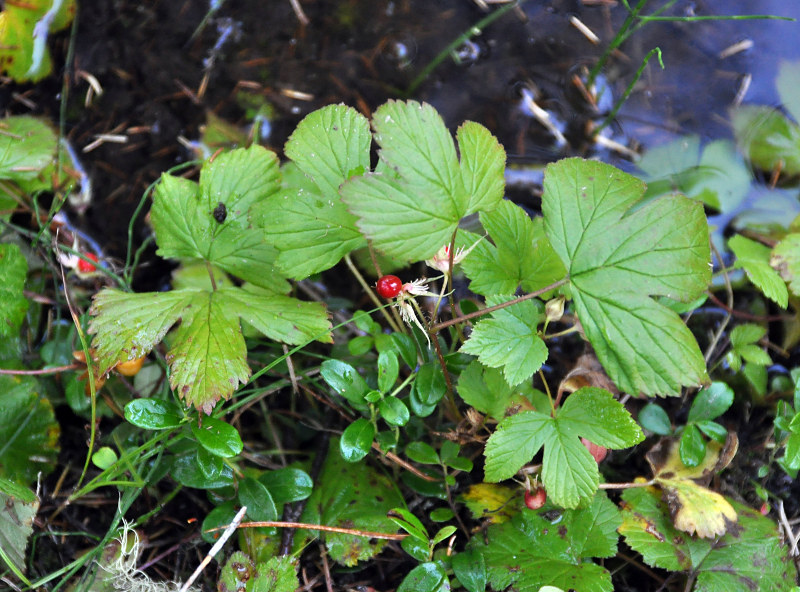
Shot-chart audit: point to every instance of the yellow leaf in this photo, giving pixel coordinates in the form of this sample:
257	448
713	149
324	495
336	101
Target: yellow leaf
697	509
489	500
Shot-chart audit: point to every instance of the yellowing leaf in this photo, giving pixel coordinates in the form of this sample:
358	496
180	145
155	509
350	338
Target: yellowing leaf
697	509
694	508
490	501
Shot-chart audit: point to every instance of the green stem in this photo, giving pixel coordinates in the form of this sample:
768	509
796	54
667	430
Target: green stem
457	42
371	293
619	38
610	117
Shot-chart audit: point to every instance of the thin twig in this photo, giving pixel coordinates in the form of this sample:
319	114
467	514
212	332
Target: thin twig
353	531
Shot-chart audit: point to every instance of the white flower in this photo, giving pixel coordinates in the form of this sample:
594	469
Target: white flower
441	260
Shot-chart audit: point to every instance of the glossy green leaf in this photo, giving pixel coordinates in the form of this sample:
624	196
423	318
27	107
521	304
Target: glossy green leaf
185	226
617	259
749	557
28	430
18	508
426	577
754	258
218	518
288	484
257	498
13	304
394	411
713	430
443	533
768	138
186	471
211	465
422	452
218	437
357	440
531	551
430	385
153	414
711	402
388	370
519	253
654	418
785	259
509	340
408	522
692	446
569	472
352	495
345	380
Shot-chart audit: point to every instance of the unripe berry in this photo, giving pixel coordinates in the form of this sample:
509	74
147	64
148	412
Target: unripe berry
535	499
598	452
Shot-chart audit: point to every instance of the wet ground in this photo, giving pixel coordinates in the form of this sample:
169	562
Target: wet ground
164	66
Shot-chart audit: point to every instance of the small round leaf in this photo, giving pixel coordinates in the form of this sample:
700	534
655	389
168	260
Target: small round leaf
153	414
357	440
218	437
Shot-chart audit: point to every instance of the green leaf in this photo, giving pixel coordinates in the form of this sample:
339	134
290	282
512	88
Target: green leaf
18	508
351	495
654	418
27	145
692	446
745	334
768	138
785	260
288	484
345	380
388	370
257	498
187	471
394	411
754	258
13	304
24	30
426	577
711	402
422	452
713	430
483	163
510	340
185	226
207	356
521	254
569	472
357	440
442	534
411	208
469	567
749	557
408	522
104	457
28	430
330	145
278	317
530	551
486	390
153	414
218	437
430	385
277	574
617	259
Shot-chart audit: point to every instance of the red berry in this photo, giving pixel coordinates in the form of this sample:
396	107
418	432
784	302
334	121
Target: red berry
598	452
389	286
85	266
535	499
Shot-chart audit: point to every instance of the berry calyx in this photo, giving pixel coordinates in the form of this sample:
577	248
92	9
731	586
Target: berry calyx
86	267
389	286
535	499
